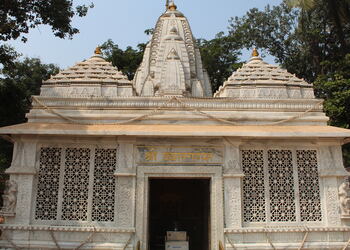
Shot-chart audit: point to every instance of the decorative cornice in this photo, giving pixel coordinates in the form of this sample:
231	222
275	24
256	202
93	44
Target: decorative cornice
66	228
286	230
140	103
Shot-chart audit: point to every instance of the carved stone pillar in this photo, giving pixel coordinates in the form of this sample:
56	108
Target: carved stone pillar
332	173
125	184
22	172
233	175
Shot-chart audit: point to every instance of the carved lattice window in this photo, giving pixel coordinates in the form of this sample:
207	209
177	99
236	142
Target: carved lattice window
76	184
48	184
281	183
80	187
253	187
104	185
276	177
310	201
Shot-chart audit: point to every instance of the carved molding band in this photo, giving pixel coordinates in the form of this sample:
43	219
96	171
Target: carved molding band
200	103
286	230
67	229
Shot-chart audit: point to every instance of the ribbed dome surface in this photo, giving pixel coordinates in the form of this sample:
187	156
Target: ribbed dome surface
258	71
260	80
92	70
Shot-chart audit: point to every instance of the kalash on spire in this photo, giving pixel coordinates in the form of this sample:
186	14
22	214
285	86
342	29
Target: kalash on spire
172	64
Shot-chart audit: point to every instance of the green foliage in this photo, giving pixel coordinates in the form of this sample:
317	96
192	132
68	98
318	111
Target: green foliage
20	81
220	58
305	4
127	60
7	55
18	17
299	39
334	87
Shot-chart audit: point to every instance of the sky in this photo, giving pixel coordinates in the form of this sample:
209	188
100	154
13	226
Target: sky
124	21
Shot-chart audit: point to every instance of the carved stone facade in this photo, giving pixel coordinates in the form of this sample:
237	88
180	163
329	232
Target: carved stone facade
172	65
83	164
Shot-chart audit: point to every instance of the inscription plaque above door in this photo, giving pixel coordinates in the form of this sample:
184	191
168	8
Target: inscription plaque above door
184	155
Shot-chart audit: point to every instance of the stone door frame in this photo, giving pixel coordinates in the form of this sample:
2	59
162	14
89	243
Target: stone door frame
213	173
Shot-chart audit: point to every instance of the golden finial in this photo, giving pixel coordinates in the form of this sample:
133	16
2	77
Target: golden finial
255	53
98	51
172	6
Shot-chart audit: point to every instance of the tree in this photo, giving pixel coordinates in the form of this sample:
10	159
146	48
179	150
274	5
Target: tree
18	17
220	58
127	60
338	13
19	82
299	39
304	4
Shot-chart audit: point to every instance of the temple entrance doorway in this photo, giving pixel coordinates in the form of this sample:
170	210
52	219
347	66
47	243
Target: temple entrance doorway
179	205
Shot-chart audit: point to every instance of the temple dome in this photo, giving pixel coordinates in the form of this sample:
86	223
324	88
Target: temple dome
93	70
94	77
258	79
172	64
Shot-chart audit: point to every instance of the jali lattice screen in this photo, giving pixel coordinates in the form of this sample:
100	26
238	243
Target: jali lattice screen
310	203
273	179
253	188
48	184
104	185
76	184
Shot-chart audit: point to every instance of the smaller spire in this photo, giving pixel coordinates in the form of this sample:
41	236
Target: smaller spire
255	53
98	51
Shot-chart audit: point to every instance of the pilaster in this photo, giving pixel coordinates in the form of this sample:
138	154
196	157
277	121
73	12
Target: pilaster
23	172
125	184
332	172
233	175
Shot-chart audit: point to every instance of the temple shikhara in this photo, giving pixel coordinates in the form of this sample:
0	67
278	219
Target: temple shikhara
162	162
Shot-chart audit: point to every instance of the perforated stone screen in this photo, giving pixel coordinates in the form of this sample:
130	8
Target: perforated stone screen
76	184
48	183
310	203
281	185
273	179
253	187
104	185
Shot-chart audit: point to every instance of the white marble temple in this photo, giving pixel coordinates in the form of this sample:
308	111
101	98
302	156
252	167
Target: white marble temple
94	140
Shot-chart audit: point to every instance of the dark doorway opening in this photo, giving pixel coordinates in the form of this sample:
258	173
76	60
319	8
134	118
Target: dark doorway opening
182	205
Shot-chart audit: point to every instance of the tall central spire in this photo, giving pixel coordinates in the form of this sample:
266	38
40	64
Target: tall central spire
172	64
